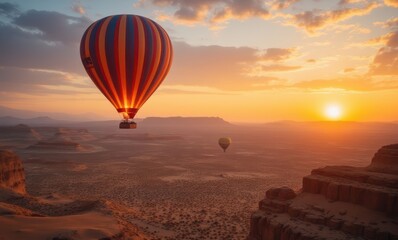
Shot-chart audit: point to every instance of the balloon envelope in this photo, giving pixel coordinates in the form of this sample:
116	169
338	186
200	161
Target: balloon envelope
224	143
127	57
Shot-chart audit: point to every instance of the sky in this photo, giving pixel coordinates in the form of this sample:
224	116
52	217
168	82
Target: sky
242	60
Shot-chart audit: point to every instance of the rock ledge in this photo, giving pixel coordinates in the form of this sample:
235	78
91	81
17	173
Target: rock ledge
12	174
336	202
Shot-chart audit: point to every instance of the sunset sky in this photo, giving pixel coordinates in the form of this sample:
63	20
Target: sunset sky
242	60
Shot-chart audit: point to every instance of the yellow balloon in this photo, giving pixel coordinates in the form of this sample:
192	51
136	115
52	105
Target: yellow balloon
224	143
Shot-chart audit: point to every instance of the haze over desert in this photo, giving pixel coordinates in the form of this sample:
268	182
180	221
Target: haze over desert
174	181
197	120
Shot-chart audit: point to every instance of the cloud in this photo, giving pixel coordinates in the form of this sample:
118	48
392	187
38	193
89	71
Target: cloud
184	89
391	3
78	8
39	81
390	23
42	40
282	4
279	68
53	26
357	83
39	53
9	9
345	2
381	40
349	69
350	28
314	20
386	60
277	54
49	40
210	11
223	68
27	50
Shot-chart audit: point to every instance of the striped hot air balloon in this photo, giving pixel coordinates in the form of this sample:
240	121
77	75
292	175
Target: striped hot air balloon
127	57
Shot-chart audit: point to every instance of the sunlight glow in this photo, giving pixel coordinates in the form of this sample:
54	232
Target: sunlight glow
333	112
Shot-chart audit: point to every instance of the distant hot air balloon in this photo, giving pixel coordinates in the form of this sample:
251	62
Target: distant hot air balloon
224	143
127	57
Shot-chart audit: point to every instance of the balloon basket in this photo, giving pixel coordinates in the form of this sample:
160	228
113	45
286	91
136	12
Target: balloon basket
127	125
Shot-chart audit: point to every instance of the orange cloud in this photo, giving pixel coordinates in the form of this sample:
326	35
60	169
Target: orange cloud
345	2
222	68
386	60
277	54
282	4
378	41
350	69
279	68
78	8
390	23
314	20
358	83
210	11
391	3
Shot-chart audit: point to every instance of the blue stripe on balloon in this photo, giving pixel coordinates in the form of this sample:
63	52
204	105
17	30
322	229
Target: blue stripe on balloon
93	42
110	52
148	56
82	46
162	61
130	32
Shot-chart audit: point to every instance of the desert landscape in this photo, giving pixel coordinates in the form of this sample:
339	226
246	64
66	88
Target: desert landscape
170	179
197	120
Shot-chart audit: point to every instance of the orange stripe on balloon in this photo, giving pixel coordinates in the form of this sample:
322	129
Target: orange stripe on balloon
168	60
140	60
122	59
169	51
102	88
87	40
157	44
91	71
103	62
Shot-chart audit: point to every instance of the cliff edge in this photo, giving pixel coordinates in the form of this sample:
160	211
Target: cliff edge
23	216
335	202
12	174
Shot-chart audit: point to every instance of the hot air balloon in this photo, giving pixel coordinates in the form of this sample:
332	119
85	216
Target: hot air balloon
127	57
224	143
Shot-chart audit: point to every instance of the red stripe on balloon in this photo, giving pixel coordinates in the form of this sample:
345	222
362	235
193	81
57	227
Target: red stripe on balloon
116	57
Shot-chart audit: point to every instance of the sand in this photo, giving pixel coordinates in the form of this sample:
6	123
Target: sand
179	184
91	225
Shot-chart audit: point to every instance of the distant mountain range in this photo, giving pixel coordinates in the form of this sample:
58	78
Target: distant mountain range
181	121
10	117
37	121
151	122
27	114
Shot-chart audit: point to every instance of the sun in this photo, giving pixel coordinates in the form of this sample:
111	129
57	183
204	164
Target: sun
333	112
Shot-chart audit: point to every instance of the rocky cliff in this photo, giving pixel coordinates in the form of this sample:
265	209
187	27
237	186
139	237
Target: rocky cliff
55	216
335	202
12	175
385	160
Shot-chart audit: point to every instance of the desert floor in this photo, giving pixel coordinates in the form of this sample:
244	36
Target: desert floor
177	183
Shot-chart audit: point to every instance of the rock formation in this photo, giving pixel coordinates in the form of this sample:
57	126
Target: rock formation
20	131
56	145
23	216
384	159
335	202
19	136
12	175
